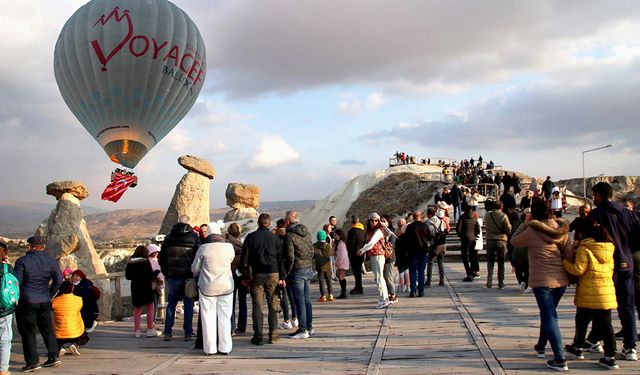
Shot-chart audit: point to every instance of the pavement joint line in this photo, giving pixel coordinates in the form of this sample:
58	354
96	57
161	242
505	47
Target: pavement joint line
490	359
381	341
168	362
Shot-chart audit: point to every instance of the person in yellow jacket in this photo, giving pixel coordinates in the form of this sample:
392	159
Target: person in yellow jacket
68	324
595	294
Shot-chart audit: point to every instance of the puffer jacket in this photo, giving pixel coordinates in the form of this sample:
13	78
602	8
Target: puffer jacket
298	247
178	251
594	266
497	225
67	322
546	242
323	254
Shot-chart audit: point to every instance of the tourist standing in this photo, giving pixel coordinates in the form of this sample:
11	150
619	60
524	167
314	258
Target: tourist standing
355	241
239	291
468	230
390	273
342	260
595	293
299	264
547	242
547	187
142	276
375	246
402	258
415	240
456	201
436	220
158	283
322	255
621	224
498	229
262	262
212	268
39	278
6	315
177	254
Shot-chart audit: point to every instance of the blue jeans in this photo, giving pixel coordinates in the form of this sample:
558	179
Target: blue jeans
176	293
417	265
548	299
6	335
301	279
457	212
287	302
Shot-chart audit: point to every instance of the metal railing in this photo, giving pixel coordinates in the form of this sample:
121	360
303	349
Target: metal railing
117	277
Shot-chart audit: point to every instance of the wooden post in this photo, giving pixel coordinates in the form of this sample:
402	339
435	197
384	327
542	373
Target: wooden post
118	299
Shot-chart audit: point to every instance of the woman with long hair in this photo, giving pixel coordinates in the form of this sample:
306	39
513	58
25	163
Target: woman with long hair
375	237
547	240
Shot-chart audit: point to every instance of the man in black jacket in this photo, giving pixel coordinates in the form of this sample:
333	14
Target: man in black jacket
176	256
621	223
262	252
355	242
416	239
299	262
40	278
456	201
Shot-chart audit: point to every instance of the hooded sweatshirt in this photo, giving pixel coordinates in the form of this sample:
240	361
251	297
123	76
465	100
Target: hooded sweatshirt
546	241
594	267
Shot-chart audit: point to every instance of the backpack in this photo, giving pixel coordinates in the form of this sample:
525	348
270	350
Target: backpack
440	235
10	293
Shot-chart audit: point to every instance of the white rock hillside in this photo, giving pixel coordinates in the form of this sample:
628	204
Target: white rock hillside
340	201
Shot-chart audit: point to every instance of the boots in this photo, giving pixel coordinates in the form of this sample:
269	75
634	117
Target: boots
343	289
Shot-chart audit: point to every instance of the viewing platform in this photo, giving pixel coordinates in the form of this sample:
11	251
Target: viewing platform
461	328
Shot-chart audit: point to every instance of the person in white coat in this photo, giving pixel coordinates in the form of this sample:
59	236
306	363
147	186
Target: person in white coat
212	268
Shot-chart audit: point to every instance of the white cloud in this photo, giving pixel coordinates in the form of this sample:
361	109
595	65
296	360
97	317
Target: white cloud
374	101
272	152
349	107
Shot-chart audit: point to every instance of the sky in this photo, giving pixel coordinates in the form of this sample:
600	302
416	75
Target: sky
301	96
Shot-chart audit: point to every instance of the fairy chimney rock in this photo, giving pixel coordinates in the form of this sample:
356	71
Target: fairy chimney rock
242	195
198	165
68	239
191	196
75	188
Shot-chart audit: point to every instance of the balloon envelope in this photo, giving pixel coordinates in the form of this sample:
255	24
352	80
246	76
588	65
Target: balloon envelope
129	71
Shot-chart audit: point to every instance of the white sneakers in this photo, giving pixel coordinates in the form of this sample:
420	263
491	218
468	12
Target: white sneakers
294	323
138	334
630	354
523	287
300	335
93	327
73	349
153	333
285	325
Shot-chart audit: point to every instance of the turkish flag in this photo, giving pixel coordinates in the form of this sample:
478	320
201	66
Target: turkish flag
119	184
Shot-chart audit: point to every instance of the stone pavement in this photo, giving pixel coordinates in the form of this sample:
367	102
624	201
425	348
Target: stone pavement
457	329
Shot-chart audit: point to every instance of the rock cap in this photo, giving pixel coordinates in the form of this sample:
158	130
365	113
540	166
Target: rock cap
242	195
75	188
198	165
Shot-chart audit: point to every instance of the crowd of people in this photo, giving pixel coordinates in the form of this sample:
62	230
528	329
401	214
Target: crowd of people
277	263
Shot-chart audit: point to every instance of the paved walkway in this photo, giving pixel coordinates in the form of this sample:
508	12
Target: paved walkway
457	329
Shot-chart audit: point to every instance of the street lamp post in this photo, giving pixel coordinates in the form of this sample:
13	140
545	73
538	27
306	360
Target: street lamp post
584	179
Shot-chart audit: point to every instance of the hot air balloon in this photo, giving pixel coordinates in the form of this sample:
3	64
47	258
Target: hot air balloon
129	71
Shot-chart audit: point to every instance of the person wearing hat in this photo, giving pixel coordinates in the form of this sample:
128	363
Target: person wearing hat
153	251
355	241
40	278
323	253
83	287
375	236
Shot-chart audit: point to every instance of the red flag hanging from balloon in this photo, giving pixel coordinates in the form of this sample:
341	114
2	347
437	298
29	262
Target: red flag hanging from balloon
120	182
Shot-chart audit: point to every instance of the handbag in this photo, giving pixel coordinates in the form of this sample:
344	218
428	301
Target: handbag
191	288
388	249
